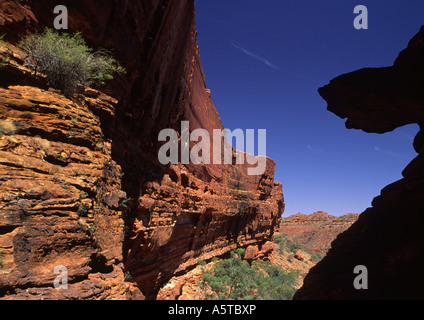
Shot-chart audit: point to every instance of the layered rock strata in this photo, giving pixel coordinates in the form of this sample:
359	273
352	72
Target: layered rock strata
158	220
316	232
387	238
59	191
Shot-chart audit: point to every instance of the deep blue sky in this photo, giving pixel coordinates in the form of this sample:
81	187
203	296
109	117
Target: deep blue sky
264	61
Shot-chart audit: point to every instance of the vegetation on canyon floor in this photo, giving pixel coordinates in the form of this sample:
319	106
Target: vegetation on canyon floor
236	279
288	245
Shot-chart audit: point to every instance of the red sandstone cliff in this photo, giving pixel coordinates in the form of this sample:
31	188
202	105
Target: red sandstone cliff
387	238
316	232
80	183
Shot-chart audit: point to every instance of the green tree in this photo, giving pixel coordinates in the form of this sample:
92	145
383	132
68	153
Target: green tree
273	283
236	279
285	243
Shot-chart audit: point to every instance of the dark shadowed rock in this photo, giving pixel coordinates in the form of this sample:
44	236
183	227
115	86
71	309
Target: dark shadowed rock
387	238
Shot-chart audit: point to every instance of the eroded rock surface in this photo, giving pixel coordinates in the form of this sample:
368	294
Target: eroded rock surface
92	178
56	174
316	232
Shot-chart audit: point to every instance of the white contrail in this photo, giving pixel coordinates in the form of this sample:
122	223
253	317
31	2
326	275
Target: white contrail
314	149
265	61
390	153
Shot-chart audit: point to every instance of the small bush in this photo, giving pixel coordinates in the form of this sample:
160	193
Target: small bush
127	276
67	61
285	243
316	256
240	252
82	210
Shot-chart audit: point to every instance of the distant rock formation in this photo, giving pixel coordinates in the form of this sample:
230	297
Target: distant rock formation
387	239
315	232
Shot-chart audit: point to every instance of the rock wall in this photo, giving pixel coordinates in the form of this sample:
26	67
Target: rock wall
316	232
59	190
387	238
169	217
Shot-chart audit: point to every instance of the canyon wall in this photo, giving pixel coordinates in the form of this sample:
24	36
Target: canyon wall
387	238
59	190
81	185
316	232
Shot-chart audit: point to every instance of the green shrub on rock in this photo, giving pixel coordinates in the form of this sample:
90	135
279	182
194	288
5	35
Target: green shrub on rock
67	61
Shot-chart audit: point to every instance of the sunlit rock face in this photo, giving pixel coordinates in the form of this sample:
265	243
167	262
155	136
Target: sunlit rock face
144	222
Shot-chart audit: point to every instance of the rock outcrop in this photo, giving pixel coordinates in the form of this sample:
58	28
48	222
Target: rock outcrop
89	192
316	232
59	190
387	239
